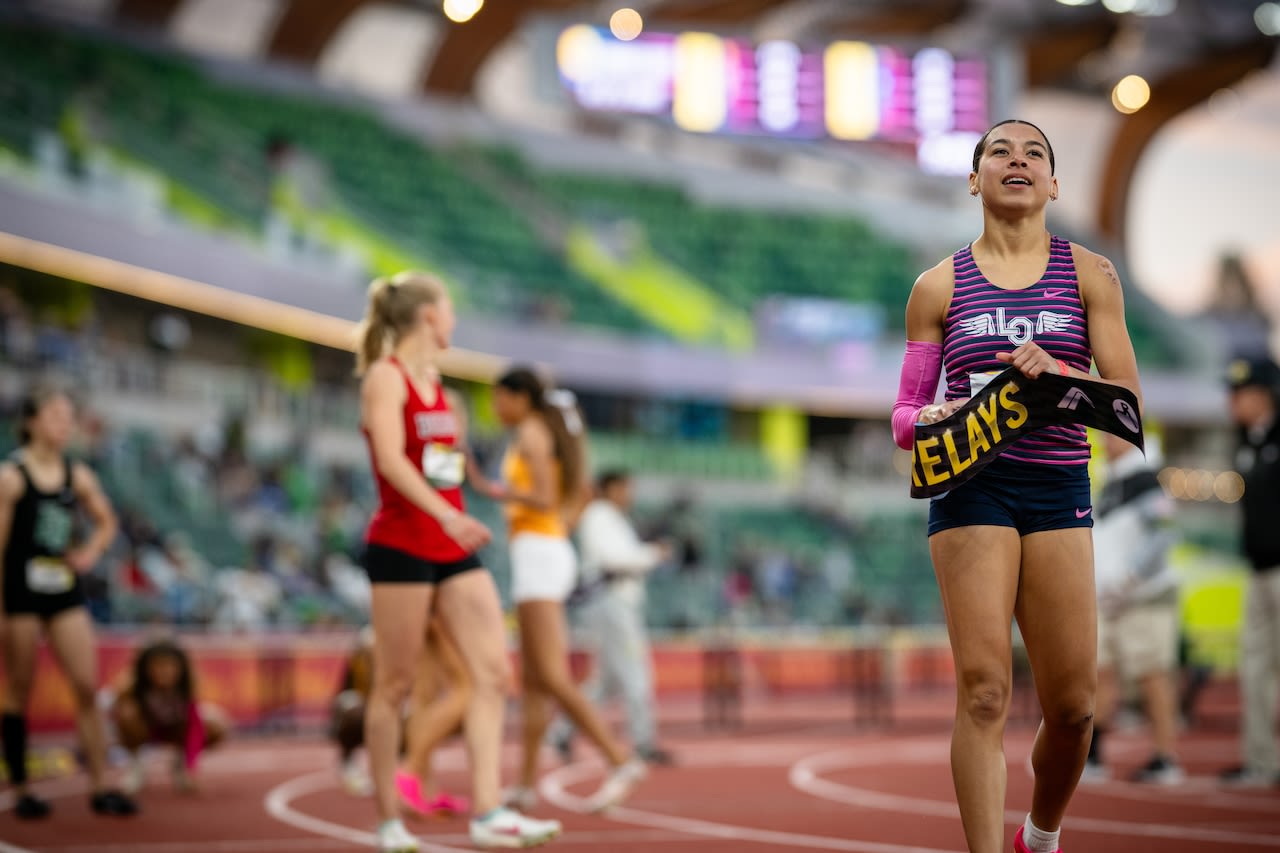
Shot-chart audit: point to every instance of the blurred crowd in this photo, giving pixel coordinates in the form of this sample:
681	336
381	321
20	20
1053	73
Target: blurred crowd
296	531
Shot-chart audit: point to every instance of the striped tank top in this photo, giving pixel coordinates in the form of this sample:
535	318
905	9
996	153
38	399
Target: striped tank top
984	319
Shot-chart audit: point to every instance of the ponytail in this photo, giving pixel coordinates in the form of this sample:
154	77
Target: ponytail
391	311
371	334
559	411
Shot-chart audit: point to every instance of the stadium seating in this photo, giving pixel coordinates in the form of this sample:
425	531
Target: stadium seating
743	255
693	459
162	113
497	226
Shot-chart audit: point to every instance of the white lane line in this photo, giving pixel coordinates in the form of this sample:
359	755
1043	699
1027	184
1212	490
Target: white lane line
278	803
252	845
1202	790
57	788
1194	791
553	789
805	776
13	848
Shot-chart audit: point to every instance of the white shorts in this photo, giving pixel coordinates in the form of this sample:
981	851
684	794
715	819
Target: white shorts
1140	640
543	568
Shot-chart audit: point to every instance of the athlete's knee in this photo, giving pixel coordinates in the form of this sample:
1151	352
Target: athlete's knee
123	711
84	693
1071	712
459	698
984	695
17	694
491	675
392	685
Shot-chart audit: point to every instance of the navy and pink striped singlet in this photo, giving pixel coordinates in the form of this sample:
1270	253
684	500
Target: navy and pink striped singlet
984	319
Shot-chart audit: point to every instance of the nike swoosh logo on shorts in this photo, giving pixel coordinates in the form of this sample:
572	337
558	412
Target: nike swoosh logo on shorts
1081	513
1053	292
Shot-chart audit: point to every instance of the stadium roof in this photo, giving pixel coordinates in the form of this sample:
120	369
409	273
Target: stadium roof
1187	49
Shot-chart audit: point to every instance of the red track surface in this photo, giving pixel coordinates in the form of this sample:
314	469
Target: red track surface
825	787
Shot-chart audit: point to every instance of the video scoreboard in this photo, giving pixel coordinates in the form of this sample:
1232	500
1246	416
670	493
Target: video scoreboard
929	100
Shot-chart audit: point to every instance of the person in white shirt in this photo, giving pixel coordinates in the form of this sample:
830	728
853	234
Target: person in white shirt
1138	622
614	563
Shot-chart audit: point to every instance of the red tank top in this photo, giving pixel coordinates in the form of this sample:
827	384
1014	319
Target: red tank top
430	443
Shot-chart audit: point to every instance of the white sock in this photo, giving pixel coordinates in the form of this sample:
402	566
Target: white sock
1039	840
392	825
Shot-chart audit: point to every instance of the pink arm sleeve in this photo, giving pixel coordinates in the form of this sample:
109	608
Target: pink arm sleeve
919	382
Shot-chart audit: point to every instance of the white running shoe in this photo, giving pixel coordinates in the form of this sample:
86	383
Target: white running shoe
519	798
1160	770
394	838
1095	773
134	777
618	786
183	781
355	781
507	829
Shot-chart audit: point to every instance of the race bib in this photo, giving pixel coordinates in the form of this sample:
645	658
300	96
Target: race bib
978	381
444	465
49	576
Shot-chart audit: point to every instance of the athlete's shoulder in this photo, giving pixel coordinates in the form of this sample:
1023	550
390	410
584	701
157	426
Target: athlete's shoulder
12	483
383	378
533	435
82	476
937	282
1093	267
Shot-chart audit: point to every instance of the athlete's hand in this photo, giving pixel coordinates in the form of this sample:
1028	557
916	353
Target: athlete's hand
470	534
79	560
1031	360
940	411
495	491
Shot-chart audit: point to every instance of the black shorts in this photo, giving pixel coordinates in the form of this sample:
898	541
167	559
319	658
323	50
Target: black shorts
25	602
391	565
1027	497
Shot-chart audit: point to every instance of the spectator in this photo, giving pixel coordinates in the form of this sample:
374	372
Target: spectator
1254	403
1137	606
249	598
615	563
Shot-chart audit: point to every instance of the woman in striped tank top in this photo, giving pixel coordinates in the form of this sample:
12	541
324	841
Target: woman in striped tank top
1015	540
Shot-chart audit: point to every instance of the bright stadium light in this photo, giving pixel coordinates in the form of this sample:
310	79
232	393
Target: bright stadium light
1077	2
1131	94
1120	6
461	11
1267	17
626	24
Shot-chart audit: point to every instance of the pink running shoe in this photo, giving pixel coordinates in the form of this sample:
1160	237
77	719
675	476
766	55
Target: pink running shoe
1019	846
410	790
448	805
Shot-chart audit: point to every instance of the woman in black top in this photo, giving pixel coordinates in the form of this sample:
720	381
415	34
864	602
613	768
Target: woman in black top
41	492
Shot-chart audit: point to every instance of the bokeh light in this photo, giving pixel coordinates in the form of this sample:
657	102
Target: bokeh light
461	11
1131	94
1228	487
626	24
1267	17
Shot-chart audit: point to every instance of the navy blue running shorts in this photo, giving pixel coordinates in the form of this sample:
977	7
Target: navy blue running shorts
1022	495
